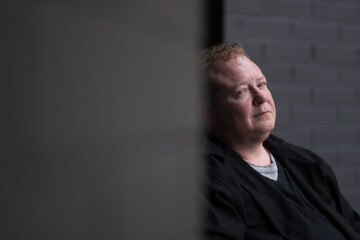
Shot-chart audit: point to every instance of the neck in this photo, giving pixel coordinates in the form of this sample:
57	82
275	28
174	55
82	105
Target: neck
250	149
257	155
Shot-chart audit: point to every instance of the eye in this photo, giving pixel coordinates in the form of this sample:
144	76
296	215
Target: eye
240	93
261	84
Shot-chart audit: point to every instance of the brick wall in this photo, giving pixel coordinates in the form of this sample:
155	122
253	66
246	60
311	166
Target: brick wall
310	54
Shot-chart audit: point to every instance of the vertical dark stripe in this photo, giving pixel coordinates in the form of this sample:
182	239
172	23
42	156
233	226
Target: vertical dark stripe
213	22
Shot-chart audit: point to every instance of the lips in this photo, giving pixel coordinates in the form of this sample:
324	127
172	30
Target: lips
261	113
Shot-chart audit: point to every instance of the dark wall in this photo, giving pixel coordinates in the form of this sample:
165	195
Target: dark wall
309	52
99	120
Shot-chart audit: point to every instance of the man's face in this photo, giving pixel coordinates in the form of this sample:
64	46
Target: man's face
244	108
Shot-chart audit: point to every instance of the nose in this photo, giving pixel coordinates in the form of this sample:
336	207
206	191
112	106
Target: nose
259	97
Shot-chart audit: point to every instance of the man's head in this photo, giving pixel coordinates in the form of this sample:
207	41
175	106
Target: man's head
212	63
240	106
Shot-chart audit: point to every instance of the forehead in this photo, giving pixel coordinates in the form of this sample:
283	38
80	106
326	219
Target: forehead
236	71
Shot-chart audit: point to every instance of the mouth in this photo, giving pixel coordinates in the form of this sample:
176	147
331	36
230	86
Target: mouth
261	114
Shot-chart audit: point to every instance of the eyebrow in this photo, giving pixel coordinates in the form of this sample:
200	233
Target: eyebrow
237	85
244	83
260	78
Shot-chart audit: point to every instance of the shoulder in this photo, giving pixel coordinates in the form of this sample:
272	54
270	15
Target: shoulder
303	161
218	173
276	145
222	194
215	156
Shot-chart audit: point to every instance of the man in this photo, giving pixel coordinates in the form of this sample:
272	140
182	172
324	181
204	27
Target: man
257	185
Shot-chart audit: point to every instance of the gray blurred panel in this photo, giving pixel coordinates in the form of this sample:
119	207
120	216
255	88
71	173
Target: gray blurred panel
100	120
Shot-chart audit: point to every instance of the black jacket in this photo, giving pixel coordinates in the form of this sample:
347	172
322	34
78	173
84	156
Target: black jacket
241	204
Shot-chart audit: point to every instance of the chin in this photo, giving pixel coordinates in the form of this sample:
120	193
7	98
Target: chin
264	136
264	133
258	137
266	129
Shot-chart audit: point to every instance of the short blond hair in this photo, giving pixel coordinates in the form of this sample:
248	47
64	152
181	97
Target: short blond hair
212	59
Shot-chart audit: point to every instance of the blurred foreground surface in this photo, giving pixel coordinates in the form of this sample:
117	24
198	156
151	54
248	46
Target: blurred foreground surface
99	120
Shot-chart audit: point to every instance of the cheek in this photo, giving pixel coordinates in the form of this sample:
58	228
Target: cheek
271	100
242	112
273	104
223	113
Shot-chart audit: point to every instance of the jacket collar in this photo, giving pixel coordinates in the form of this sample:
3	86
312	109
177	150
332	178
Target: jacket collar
277	146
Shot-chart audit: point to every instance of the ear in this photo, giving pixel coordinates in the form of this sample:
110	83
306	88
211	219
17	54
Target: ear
210	116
